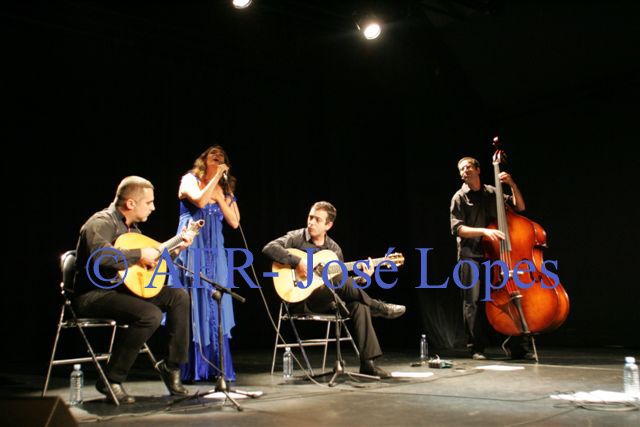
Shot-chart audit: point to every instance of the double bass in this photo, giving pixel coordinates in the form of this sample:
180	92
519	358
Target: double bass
520	310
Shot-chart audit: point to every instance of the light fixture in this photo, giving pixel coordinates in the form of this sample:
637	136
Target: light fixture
241	4
371	31
369	26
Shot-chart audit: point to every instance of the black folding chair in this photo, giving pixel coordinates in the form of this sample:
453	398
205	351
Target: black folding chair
69	320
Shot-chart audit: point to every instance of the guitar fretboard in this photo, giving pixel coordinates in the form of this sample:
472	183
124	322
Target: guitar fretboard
336	268
171	243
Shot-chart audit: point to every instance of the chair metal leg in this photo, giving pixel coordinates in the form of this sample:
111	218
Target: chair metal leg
326	345
112	340
103	376
275	345
339	368
295	332
280	341
53	352
147	350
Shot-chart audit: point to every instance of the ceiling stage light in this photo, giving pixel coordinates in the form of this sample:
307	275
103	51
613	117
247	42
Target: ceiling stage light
241	4
369	26
371	31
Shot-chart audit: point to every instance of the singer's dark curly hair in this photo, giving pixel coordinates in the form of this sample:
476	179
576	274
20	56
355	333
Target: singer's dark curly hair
200	168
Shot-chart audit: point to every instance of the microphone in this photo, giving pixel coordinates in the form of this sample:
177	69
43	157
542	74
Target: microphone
224	175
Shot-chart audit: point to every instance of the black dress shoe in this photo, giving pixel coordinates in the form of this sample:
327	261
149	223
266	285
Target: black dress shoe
523	355
118	390
171	378
386	310
368	367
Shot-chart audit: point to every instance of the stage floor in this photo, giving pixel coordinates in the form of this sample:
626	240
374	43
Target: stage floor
465	394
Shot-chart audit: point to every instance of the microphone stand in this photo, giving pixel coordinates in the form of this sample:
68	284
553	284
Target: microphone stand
339	365
221	383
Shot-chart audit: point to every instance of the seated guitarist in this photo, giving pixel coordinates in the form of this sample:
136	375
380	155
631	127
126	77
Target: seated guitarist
360	305
133	204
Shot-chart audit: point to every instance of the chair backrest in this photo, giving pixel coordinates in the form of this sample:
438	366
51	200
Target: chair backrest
68	268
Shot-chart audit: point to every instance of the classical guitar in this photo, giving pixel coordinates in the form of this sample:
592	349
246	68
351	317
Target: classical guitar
286	278
137	277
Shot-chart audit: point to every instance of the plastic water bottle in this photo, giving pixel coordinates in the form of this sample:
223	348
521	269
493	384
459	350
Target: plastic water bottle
76	382
631	379
287	364
424	349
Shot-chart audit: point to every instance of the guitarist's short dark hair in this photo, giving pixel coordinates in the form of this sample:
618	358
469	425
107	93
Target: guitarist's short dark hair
331	211
130	187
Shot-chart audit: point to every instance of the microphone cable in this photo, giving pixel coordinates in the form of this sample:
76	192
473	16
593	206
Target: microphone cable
266	306
271	320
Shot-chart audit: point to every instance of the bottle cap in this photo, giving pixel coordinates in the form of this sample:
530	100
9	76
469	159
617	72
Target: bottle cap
287	348
76	366
630	359
424	335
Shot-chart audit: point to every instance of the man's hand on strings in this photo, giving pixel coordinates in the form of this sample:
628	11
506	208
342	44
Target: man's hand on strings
149	257
301	269
493	235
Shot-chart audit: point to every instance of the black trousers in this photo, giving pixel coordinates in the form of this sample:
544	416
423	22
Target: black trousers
473	310
143	317
358	303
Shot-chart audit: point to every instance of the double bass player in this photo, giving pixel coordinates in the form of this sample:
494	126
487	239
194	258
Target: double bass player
473	208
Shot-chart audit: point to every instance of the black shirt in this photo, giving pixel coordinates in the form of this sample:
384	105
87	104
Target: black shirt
100	231
474	209
297	239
